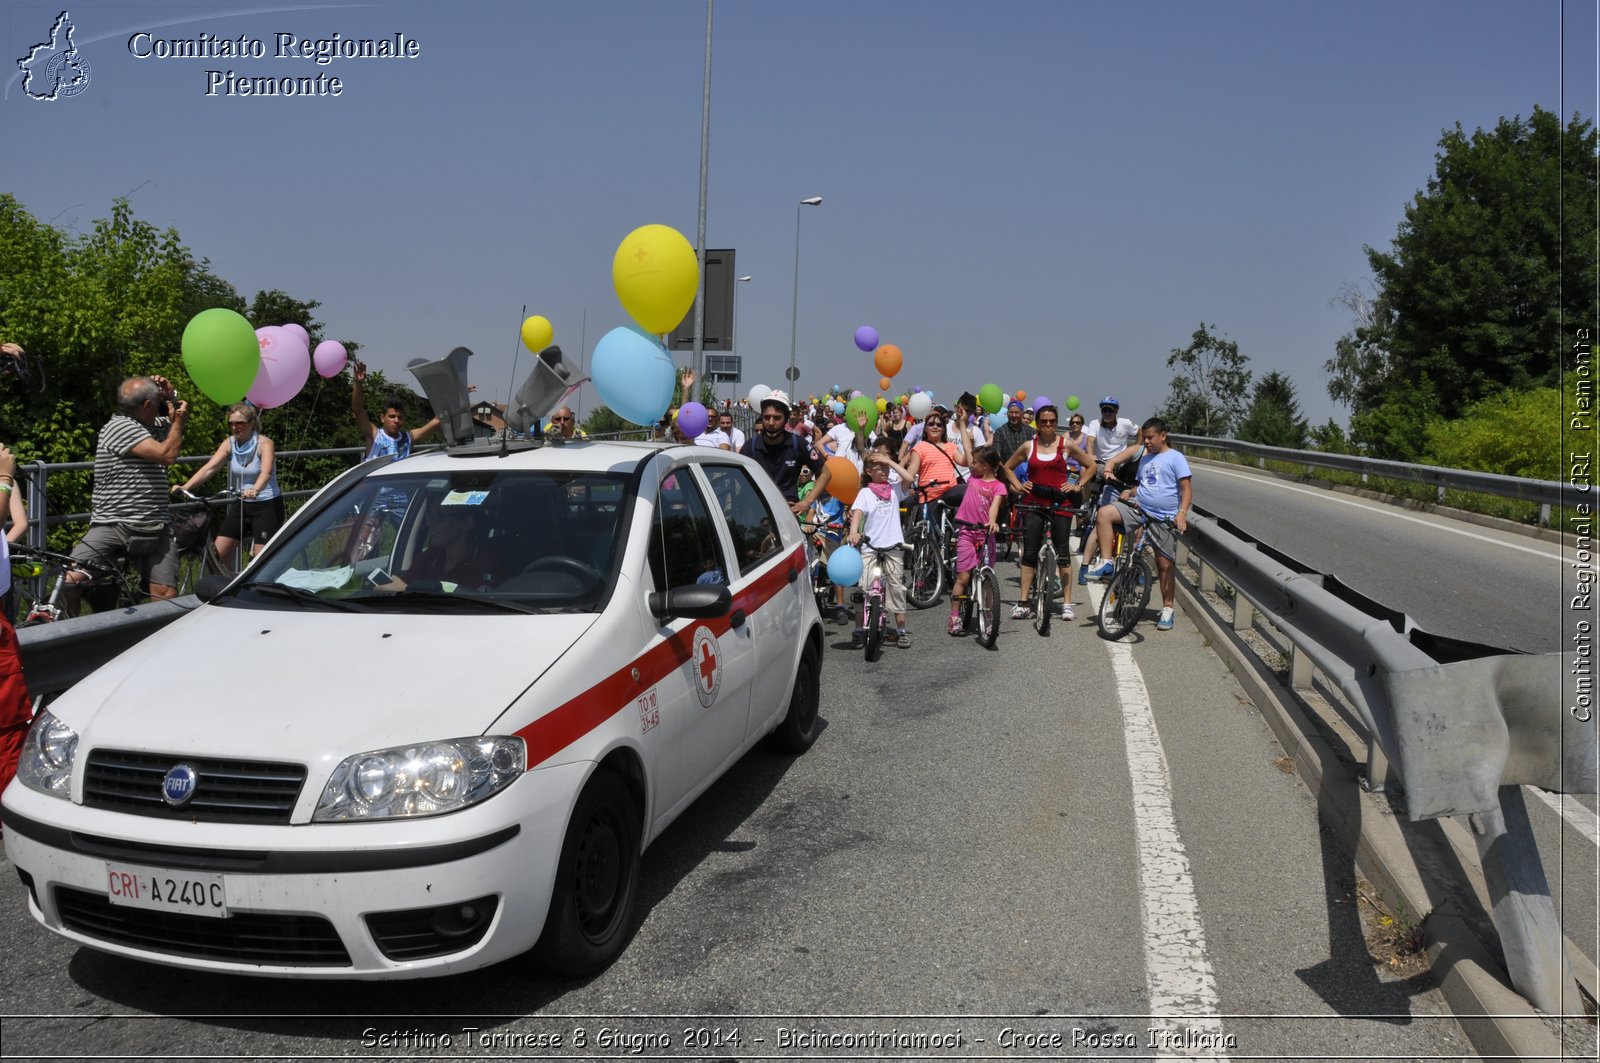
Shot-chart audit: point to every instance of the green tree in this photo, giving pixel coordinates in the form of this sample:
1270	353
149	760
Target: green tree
1495	434
1207	395
1274	418
1330	437
1493	257
1359	371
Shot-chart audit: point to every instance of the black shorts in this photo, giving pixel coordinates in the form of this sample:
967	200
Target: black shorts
260	520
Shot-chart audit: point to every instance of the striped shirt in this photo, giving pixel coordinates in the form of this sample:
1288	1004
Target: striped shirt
127	489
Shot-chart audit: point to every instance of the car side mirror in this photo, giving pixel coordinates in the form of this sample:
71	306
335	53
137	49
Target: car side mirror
697	601
211	586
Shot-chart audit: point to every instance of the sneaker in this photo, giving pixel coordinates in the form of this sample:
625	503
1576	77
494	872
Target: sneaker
1022	611
956	627
1066	611
1165	623
1083	574
841	615
904	641
858	638
1103	570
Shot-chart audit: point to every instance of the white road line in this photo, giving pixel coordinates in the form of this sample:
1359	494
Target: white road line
1388	511
1178	974
1585	822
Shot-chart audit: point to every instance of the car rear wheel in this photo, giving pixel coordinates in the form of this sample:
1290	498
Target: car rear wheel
799	727
597	882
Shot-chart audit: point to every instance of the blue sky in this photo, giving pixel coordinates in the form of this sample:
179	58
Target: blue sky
1047	196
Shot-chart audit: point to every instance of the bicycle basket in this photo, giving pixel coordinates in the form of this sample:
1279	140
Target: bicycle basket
189	529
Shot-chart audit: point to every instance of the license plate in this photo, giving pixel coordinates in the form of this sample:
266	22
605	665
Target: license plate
184	892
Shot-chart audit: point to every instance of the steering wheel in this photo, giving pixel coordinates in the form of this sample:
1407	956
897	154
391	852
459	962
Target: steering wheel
567	564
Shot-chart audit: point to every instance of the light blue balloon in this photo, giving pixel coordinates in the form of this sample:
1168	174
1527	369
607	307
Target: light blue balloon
837	407
844	567
633	374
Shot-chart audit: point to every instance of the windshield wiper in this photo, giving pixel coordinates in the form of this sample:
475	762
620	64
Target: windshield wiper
300	594
446	597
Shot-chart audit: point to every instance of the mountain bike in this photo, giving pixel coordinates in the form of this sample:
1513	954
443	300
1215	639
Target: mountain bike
191	533
1047	577
1128	588
983	603
931	545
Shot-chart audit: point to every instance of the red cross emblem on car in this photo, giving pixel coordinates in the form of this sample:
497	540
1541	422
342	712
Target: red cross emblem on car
708	666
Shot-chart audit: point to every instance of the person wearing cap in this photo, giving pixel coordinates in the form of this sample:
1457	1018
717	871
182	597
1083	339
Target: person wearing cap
782	453
1109	436
1015	432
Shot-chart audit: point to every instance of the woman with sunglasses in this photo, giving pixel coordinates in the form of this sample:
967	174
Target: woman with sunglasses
253	475
1049	486
933	458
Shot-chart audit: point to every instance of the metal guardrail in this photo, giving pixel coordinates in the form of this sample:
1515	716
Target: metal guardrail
1545	493
1459	726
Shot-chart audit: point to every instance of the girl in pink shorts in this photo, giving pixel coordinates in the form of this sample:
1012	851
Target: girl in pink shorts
980	505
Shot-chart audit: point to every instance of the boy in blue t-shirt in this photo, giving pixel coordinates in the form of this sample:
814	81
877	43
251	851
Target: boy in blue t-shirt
825	511
1165	492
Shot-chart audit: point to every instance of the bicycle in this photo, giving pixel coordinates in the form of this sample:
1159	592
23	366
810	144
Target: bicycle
191	533
1133	574
40	577
1047	577
931	544
817	533
983	602
875	614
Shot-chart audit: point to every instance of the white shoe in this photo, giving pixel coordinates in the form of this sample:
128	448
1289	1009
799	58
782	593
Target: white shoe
1066	611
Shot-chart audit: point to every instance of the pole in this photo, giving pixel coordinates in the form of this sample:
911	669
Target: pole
794	316
700	236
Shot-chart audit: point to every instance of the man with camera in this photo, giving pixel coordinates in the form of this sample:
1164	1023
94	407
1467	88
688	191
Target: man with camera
130	518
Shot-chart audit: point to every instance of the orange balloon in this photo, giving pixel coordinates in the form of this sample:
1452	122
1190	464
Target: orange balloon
883	383
1021	394
887	359
846	482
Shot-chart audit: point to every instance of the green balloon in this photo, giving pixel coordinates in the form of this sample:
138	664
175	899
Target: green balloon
861	404
992	398
1072	402
221	353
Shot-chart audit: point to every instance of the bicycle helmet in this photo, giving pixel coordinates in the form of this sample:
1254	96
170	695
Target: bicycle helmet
1110	400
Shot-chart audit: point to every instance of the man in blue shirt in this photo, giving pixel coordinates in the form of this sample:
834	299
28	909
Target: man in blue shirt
1165	492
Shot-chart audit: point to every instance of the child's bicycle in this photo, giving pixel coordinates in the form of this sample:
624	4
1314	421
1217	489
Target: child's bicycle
983	605
818	534
874	612
1128	587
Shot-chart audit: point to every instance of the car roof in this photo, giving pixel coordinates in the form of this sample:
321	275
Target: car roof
575	456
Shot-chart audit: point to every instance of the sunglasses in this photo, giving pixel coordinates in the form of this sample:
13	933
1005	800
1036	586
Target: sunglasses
237	424
561	418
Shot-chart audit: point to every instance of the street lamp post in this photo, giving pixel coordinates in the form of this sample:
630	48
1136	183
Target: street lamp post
732	387
794	319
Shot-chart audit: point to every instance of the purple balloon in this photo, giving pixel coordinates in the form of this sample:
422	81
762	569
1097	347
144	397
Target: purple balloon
1038	401
855	394
285	364
329	358
867	338
305	337
916	391
693	418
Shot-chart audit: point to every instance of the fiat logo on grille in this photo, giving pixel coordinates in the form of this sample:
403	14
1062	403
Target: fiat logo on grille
177	786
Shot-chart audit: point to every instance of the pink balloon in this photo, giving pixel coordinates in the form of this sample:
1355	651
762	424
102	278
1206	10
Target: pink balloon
305	337
285	364
329	358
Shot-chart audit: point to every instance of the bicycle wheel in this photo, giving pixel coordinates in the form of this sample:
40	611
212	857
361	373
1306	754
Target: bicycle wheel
874	628
927	570
1125	598
986	588
1043	600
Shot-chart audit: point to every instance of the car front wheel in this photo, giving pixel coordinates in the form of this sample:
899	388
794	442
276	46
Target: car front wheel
597	882
799	727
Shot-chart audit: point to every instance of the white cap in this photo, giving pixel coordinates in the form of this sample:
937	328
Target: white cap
779	397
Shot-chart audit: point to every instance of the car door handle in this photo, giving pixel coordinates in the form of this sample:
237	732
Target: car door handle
794	574
737	619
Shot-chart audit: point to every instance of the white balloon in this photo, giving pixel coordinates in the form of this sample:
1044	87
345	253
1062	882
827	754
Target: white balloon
759	392
920	405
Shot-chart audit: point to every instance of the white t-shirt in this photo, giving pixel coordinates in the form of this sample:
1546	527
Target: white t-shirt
844	444
882	526
738	438
1105	442
713	437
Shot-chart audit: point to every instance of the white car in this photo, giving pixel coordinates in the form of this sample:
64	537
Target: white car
434	725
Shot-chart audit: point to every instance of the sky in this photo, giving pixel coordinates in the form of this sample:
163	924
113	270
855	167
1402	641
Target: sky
1045	196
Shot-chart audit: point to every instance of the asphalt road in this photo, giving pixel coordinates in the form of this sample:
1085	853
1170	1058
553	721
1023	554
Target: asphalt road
968	850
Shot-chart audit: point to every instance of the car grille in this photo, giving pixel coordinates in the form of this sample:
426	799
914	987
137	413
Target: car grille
229	791
244	937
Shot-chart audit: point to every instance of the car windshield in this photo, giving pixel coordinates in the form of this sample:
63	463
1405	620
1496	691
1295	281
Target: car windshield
474	541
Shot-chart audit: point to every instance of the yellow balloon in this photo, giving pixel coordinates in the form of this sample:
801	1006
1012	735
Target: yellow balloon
882	404
537	333
656	276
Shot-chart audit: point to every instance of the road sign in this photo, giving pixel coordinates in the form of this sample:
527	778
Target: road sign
719	307
792	373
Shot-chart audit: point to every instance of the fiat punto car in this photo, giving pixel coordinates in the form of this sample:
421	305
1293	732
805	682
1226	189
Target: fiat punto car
434	725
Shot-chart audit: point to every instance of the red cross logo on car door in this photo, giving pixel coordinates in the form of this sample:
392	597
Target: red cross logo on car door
707	666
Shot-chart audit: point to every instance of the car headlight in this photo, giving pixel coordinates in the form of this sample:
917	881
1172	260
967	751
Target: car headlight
421	780
47	755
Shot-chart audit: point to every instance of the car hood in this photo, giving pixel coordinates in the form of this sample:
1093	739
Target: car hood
306	685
